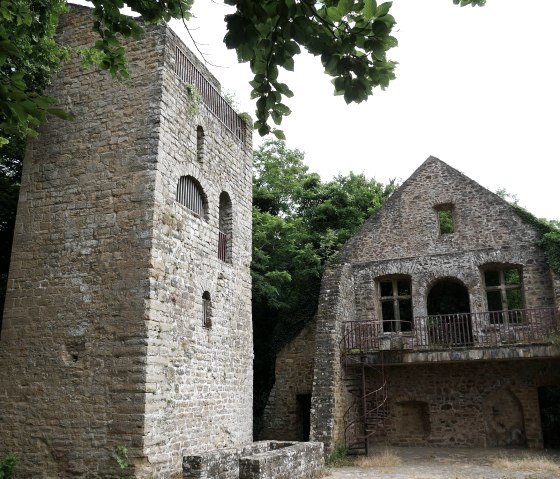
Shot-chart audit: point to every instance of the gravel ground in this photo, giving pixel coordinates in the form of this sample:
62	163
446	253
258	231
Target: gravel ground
452	463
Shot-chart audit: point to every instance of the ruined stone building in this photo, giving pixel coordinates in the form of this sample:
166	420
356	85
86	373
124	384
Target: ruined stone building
128	313
438	326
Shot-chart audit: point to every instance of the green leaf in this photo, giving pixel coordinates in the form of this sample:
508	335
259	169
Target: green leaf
279	134
383	9
370	9
288	64
345	7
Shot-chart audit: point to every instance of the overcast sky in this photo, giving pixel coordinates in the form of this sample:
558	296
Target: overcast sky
478	88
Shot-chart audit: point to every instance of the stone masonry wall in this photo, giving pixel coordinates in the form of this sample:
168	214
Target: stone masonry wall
462	266
200	378
403	238
407	224
258	460
103	341
336	304
74	338
301	460
480	404
294	376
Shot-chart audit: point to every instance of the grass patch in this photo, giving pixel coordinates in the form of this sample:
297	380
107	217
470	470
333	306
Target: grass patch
530	463
339	457
386	458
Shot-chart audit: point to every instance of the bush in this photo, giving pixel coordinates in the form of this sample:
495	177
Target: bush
7	466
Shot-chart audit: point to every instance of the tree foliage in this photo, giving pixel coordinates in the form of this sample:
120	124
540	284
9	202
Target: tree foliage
28	58
352	38
299	223
10	176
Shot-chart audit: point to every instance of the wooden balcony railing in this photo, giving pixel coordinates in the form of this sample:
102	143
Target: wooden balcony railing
450	331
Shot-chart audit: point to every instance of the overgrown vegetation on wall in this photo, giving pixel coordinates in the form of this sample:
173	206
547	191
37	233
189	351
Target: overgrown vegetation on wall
549	236
299	223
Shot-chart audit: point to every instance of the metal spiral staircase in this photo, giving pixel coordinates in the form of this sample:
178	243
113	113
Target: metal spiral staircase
369	408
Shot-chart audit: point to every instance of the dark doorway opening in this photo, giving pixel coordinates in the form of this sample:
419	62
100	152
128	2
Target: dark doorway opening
303	413
549	404
449	319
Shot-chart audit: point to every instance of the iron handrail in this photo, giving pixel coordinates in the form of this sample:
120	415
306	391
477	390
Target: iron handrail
449	331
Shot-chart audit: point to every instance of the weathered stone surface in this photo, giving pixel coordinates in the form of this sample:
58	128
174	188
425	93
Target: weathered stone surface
329	401
403	239
103	341
483	404
289	461
258	460
286	416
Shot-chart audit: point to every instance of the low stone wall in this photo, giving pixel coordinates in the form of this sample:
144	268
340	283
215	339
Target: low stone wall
218	464
300	460
259	460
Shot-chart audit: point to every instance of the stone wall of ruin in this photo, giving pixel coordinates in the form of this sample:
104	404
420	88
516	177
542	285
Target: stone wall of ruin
404	238
200	377
283	416
74	336
330	398
482	404
102	343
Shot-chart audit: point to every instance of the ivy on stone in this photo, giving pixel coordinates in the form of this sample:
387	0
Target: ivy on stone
549	236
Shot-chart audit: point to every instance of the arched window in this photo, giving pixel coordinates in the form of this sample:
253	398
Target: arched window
206	310
200	144
449	318
191	195
395	295
226	226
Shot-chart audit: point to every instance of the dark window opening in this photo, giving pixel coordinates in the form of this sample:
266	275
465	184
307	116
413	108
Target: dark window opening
396	304
206	310
549	404
200	144
191	195
303	416
445	219
504	294
449	319
225	228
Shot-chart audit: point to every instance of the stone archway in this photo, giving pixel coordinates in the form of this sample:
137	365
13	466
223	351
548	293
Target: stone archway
504	419
448	296
449	320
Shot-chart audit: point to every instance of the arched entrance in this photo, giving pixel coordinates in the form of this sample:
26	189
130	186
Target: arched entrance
449	320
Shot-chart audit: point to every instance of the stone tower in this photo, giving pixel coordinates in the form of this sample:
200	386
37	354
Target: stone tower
128	314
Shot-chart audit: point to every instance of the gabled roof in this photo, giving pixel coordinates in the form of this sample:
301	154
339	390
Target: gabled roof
407	224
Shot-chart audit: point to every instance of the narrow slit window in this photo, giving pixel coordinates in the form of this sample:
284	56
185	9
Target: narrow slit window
200	146
445	219
225	228
206	310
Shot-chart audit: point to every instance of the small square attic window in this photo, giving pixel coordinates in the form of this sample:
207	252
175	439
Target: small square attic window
445	219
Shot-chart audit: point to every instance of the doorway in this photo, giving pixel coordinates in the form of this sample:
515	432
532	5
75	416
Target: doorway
303	414
449	319
549	404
